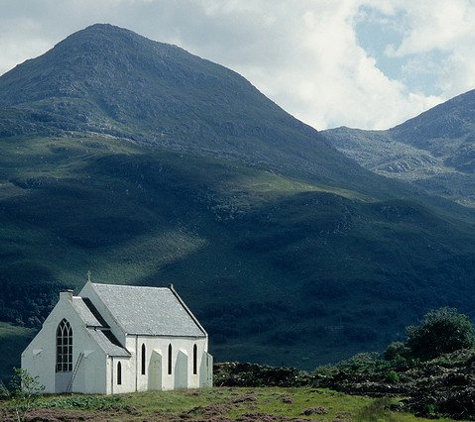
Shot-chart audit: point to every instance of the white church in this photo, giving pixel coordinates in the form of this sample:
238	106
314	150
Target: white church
119	339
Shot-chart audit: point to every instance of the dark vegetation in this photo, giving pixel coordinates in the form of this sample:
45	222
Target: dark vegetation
434	370
147	165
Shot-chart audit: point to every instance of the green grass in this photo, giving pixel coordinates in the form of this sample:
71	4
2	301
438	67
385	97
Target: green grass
221	403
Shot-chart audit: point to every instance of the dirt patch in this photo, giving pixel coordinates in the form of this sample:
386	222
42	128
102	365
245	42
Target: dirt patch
315	411
63	415
245	399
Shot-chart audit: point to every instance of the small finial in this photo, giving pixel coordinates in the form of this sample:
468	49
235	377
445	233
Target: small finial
89	275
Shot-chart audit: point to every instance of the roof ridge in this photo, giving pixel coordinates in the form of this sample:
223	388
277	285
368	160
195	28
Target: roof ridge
129	286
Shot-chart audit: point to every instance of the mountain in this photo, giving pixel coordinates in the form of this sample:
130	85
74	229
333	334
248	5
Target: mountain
148	165
111	81
434	151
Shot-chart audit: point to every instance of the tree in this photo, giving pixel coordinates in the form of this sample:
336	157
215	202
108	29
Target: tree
442	330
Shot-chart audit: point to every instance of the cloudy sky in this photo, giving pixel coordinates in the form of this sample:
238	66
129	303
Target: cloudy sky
369	64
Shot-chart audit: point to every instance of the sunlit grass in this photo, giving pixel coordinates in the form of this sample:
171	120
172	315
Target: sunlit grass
234	403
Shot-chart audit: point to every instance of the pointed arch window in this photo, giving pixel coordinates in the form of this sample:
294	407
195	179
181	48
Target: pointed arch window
64	347
170	356
119	373
144	355
195	359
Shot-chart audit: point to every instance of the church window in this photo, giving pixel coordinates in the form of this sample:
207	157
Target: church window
170	363
119	373
195	359
144	361
64	347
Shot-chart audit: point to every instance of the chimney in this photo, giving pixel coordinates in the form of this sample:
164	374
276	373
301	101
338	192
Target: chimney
66	294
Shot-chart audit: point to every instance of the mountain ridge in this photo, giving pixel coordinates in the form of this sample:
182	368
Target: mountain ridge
434	151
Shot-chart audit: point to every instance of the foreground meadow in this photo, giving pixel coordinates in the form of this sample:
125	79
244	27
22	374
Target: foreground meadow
214	404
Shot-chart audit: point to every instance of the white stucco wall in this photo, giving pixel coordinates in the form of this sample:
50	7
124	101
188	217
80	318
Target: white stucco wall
91	377
156	375
39	358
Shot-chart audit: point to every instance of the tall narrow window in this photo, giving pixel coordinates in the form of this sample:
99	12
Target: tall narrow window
195	359
119	373
170	356
64	347
144	361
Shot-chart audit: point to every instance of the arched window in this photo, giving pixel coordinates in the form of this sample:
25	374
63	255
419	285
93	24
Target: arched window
144	361
195	359
64	347
170	361
119	373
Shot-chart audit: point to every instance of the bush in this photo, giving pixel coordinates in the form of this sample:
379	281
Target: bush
24	391
397	350
442	331
392	377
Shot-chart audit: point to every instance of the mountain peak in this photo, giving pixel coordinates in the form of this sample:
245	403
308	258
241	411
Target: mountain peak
110	80
106	38
100	51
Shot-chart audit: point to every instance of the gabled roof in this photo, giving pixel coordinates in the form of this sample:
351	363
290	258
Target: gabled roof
155	311
98	328
107	342
85	313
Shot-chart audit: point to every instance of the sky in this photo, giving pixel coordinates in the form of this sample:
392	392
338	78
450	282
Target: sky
367	64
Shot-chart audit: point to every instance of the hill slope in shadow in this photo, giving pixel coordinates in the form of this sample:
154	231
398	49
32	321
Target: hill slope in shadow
148	165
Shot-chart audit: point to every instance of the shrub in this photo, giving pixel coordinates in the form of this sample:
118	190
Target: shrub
442	331
392	377
25	390
397	350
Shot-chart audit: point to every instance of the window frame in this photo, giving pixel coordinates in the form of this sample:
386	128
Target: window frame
119	373
64	346
170	359
195	359
144	360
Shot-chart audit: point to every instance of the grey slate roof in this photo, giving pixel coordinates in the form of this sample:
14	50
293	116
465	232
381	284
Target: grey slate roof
97	328
85	313
153	311
108	343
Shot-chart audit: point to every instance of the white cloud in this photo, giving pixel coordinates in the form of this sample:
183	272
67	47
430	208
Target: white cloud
436	24
304	55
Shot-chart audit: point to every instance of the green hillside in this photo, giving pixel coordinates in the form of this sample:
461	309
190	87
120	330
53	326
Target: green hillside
262	259
147	165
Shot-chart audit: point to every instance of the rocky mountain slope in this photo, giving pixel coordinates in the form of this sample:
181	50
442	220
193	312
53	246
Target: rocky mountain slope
435	150
148	165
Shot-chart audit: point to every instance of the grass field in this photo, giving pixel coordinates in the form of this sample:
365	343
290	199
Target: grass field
218	404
